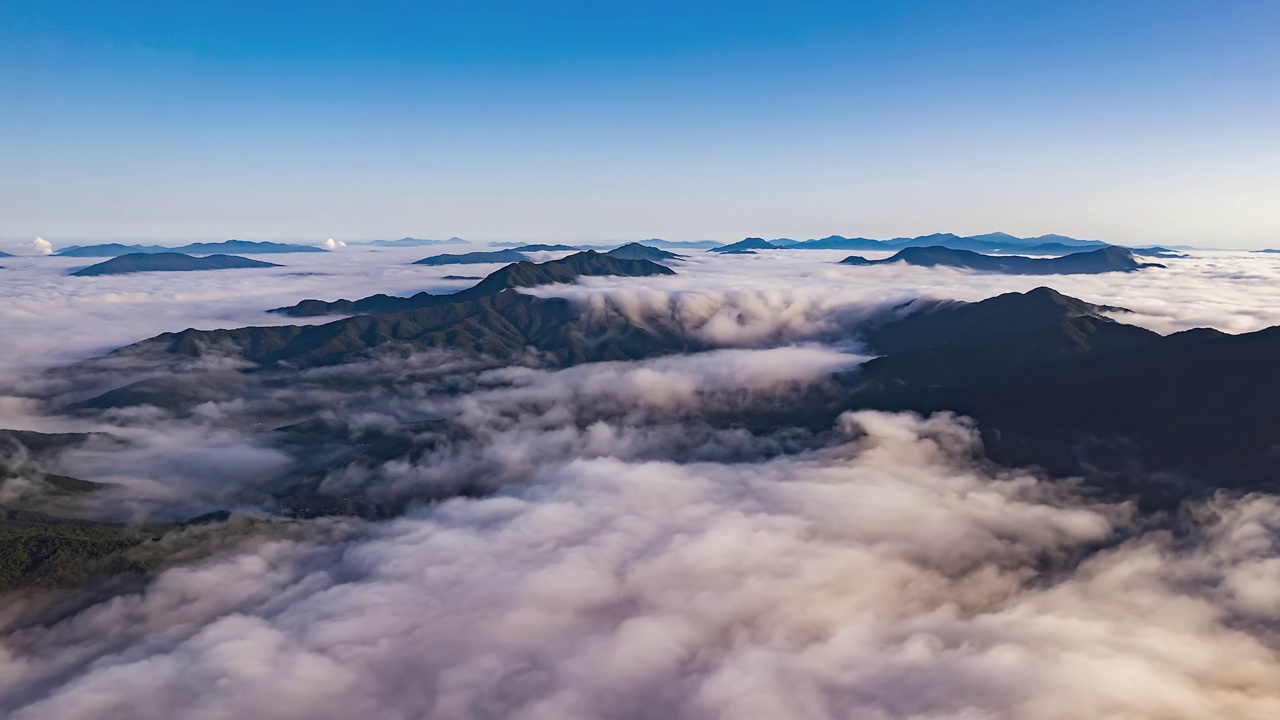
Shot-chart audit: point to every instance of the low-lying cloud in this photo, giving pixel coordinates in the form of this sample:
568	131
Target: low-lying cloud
893	576
618	555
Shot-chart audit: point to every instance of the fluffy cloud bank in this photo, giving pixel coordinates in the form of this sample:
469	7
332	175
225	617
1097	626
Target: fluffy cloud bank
894	576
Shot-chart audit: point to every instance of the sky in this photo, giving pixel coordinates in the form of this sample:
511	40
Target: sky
1130	121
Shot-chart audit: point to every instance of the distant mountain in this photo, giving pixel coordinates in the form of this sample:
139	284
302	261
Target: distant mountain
233	246
636	251
247	246
544	248
168	262
475	258
996	242
111	250
4	254
1108	259
752	243
681	244
521	274
837	242
1267	251
461	277
1157	252
410	242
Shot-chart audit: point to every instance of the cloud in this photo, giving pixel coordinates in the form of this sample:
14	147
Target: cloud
332	244
631	557
892	576
39	246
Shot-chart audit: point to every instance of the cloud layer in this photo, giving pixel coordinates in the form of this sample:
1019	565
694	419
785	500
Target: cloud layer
628	559
893	576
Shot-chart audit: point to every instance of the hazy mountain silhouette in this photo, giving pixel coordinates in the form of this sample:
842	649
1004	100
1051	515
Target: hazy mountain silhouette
233	246
752	243
410	242
168	262
1107	259
475	258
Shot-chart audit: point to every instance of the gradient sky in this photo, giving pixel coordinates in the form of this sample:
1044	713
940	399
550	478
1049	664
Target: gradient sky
1120	120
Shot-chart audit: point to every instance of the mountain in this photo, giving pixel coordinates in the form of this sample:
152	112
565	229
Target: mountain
1108	259
247	246
111	250
1051	382
168	262
544	248
5	254
989	243
474	258
501	325
410	242
1157	252
636	251
1269	250
752	243
520	274
236	246
681	244
837	242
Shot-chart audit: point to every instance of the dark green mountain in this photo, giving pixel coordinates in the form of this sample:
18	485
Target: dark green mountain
637	251
474	258
168	262
1108	259
520	274
500	324
1054	384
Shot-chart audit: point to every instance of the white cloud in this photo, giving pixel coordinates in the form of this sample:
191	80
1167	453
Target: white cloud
39	246
891	577
639	565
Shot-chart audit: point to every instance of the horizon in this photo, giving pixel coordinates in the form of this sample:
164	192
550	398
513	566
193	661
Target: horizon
25	249
1139	123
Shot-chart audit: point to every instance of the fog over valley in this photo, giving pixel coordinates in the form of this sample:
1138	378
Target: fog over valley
629	485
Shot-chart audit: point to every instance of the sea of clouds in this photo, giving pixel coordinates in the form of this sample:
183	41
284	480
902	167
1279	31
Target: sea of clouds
631	561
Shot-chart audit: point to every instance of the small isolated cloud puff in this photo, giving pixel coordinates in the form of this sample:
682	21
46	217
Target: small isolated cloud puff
39	246
332	244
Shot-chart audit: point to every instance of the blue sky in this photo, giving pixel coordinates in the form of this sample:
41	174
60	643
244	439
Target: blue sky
1123	120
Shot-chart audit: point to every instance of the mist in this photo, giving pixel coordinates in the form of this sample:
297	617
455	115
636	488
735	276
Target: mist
536	541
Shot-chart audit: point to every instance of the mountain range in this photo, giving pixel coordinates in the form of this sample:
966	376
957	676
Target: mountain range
409	242
1053	382
475	258
997	242
227	246
519	274
1106	259
168	262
